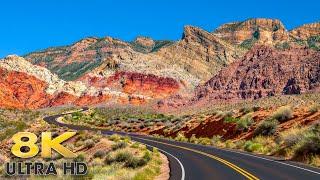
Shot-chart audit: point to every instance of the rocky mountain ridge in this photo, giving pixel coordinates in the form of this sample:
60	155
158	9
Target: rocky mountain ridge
264	72
229	63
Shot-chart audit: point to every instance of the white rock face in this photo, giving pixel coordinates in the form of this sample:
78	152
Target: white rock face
55	84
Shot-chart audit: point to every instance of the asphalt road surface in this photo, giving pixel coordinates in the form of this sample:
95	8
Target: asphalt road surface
197	162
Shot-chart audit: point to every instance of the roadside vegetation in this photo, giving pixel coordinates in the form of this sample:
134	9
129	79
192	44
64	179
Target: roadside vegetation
125	119
268	136
12	121
107	157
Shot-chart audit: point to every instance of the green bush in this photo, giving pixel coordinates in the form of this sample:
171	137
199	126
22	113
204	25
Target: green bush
246	110
205	141
193	139
309	144
314	42
115	137
314	108
266	128
134	162
89	143
80	158
216	139
109	159
99	154
245	122
229	119
283	113
181	137
119	145
251	146
123	156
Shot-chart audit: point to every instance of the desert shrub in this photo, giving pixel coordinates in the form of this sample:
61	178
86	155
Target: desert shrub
266	128
109	159
97	162
204	141
146	157
283	113
246	110
256	108
292	136
181	137
223	114
155	151
89	143
119	145
244	122
193	139
230	119
115	137
251	146
99	154
314	108
314	160
309	144
268	144
126	139
80	158
239	144
230	144
134	162
313	42
216	139
123	156
135	145
248	43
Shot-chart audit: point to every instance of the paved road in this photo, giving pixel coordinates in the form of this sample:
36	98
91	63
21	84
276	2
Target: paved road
191	161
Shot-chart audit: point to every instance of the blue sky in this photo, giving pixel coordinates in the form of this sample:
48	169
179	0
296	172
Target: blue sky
37	24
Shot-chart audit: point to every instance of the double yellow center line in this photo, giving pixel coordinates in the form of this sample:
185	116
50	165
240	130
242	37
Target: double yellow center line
227	163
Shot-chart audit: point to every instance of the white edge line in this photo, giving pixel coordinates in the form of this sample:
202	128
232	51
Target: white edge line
271	160
182	168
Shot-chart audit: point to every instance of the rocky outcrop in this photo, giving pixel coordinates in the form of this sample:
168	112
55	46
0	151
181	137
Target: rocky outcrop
306	31
20	90
263	72
200	53
143	44
135	83
253	31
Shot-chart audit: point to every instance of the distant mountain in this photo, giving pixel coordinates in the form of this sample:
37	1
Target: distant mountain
240	60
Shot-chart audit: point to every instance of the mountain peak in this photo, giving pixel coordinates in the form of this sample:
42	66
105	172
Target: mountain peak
251	31
144	41
306	31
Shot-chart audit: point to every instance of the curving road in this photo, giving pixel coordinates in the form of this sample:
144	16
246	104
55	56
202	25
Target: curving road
191	161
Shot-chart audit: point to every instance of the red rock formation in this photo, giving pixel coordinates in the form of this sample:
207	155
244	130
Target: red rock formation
19	90
63	98
265	71
136	83
22	91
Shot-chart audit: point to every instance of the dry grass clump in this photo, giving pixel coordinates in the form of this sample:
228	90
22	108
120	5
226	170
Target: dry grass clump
314	108
283	113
